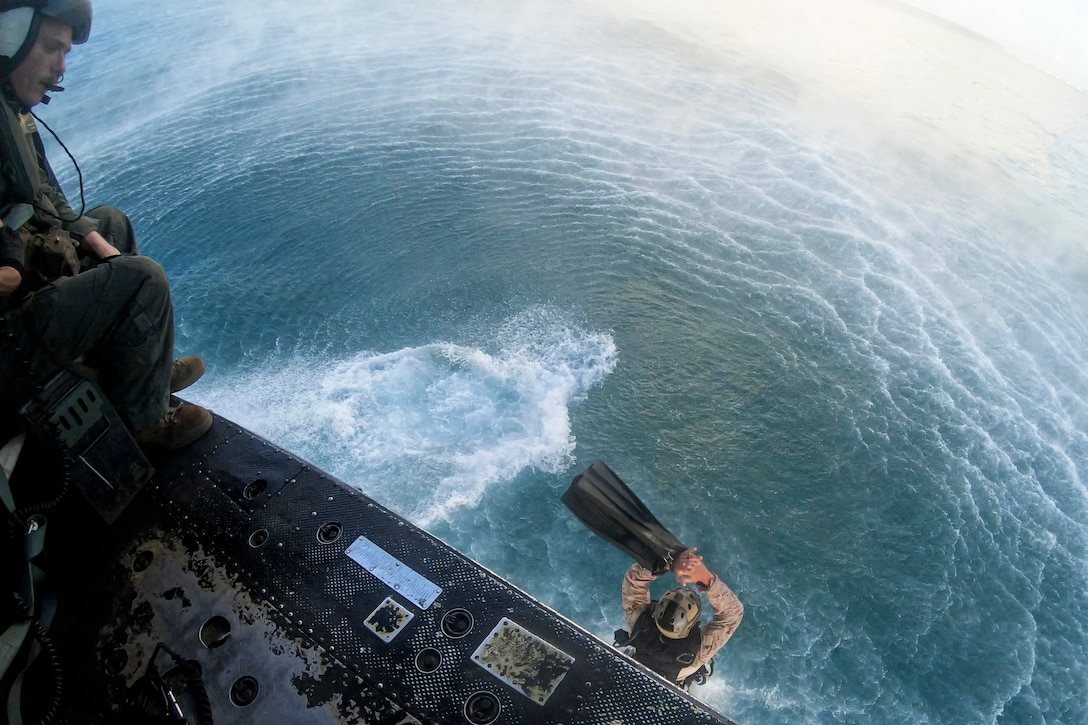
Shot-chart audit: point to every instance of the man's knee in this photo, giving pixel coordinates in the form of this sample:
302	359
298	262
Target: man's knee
133	285
141	271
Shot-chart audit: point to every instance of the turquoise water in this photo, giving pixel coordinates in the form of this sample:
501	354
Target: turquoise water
453	253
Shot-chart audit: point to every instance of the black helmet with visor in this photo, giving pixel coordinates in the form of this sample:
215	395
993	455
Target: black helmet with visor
21	19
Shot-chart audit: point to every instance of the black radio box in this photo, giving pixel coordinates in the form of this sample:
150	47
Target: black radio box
106	464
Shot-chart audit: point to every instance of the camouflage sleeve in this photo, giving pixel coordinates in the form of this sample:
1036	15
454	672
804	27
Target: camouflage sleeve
11	250
79	226
635	593
50	189
727	615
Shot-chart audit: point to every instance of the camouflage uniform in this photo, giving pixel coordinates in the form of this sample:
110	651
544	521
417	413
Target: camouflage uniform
728	612
115	314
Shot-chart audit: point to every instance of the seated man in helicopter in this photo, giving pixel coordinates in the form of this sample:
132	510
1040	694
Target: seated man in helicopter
69	298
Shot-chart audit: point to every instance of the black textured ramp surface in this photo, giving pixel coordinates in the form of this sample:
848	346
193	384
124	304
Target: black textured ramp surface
237	556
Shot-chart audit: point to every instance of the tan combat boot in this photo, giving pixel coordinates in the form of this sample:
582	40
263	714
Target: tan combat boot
184	372
178	428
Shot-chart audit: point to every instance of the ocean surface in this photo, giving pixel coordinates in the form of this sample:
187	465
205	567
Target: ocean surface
455	252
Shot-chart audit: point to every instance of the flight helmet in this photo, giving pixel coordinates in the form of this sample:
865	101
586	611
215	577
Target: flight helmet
677	612
20	20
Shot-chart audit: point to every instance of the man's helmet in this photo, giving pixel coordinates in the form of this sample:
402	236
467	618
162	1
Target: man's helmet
677	612
20	20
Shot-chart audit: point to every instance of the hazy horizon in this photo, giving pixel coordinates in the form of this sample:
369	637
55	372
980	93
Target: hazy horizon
1048	34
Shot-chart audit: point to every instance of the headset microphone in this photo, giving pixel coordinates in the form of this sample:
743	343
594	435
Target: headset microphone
51	89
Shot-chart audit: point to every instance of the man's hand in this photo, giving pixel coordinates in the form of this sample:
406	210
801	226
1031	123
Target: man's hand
11	248
97	245
10	279
689	568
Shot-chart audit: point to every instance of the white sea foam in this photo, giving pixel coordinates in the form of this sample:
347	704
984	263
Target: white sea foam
428	429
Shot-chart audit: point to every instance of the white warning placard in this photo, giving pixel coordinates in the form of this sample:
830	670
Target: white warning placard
393	572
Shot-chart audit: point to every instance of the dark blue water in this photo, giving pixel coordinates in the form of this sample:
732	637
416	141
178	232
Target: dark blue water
453	253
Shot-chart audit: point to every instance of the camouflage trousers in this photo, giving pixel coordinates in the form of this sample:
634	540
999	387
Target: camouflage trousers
117	316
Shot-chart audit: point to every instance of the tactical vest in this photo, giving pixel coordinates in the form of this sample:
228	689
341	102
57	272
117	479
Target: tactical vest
663	655
24	204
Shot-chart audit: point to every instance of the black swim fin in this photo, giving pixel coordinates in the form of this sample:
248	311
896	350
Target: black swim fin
611	510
